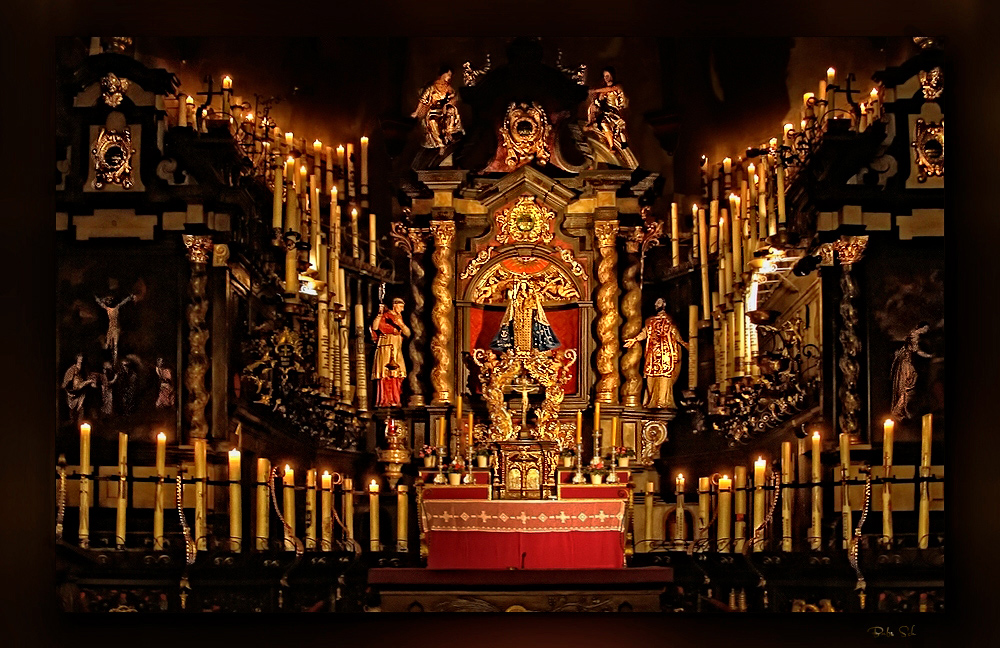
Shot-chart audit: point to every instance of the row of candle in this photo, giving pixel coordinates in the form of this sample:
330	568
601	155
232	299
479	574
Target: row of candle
737	488
326	512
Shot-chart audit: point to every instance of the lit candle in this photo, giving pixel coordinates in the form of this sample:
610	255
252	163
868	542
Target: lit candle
317	156
736	237
227	92
469	428
579	427
235	503
727	165
780	189
326	503
923	516
675	241
122	489
724	541
597	429
816	533
364	164
740	508
314	221
845	500
85	468
375	545
201	494
311	509
704	512
182	120
863	119
341	161
441	432
759	467
355	249
831	76
288	493
887	439
189	111
679	532
762	200
161	470
787	134
692	346
263	511
787	477
290	141
349	507
278	196
402	518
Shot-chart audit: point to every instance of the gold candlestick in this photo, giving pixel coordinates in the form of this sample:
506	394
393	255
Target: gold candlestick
704	513
845	500
679	531
235	502
373	512
326	502
723	542
759	468
816	533
349	507
887	440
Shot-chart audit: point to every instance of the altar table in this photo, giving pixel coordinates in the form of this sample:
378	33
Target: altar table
525	534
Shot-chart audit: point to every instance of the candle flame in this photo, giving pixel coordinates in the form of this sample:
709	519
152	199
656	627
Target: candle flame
288	468
831	72
373	486
290	160
694	209
364	139
190	100
354	212
816	435
318	144
302	169
234	454
326	473
680	476
161	437
340	148
85	427
874	93
227	79
249	117
788	127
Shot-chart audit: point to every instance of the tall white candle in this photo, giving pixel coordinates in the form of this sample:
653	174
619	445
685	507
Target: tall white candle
161	471
402	518
263	506
278	196
85	469
288	493
342	162
692	346
888	432
201	494
311	509
759	468
713	227
781	192
704	512
845	500
371	239
355	248
122	490
235	502
364	165
816	530
787	495
349	507
326	503
740	506
351	190
703	250
679	532
182	116
724	542
923	516
373	504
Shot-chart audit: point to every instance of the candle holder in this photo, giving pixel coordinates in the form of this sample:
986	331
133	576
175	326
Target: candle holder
578	476
467	479
439	478
613	474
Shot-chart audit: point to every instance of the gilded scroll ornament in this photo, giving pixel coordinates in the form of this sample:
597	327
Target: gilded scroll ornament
932	83
525	222
928	142
443	310
550	284
654	433
574	266
112	155
113	89
607	307
199	249
477	263
525	134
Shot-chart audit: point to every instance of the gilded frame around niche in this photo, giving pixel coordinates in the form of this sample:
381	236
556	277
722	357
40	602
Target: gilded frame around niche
928	142
112	155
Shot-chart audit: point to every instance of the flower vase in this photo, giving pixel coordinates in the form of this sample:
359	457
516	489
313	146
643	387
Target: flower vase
623	462
454	478
481	461
567	462
430	461
597	479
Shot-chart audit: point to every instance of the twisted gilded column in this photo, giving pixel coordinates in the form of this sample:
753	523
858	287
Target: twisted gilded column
631	391
443	311
414	241
606	233
199	250
849	251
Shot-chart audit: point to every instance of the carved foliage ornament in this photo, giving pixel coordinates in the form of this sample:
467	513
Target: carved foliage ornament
928	141
477	263
112	155
199	248
550	284
411	239
525	222
470	76
932	83
113	89
525	134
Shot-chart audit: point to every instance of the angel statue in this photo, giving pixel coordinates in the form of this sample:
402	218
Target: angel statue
904	374
388	369
662	359
605	117
438	112
524	326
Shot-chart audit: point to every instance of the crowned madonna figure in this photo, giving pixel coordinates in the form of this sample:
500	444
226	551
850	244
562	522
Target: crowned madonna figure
524	326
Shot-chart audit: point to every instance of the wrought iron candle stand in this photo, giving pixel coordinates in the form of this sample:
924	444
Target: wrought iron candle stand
440	478
578	476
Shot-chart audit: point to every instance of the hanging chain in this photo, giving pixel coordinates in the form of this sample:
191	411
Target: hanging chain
758	534
856	540
190	550
61	512
299	547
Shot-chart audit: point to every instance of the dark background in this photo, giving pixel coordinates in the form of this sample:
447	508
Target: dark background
28	51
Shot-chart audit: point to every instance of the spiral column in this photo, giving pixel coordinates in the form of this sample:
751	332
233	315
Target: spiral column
414	241
631	391
849	251
606	233
442	313
199	250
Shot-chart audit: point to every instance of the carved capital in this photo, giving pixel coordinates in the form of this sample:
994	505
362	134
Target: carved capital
411	239
606	232
199	248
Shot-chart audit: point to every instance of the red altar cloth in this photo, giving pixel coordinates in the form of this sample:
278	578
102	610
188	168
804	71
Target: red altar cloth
525	534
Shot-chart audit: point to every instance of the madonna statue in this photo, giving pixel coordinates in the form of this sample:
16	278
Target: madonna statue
524	326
